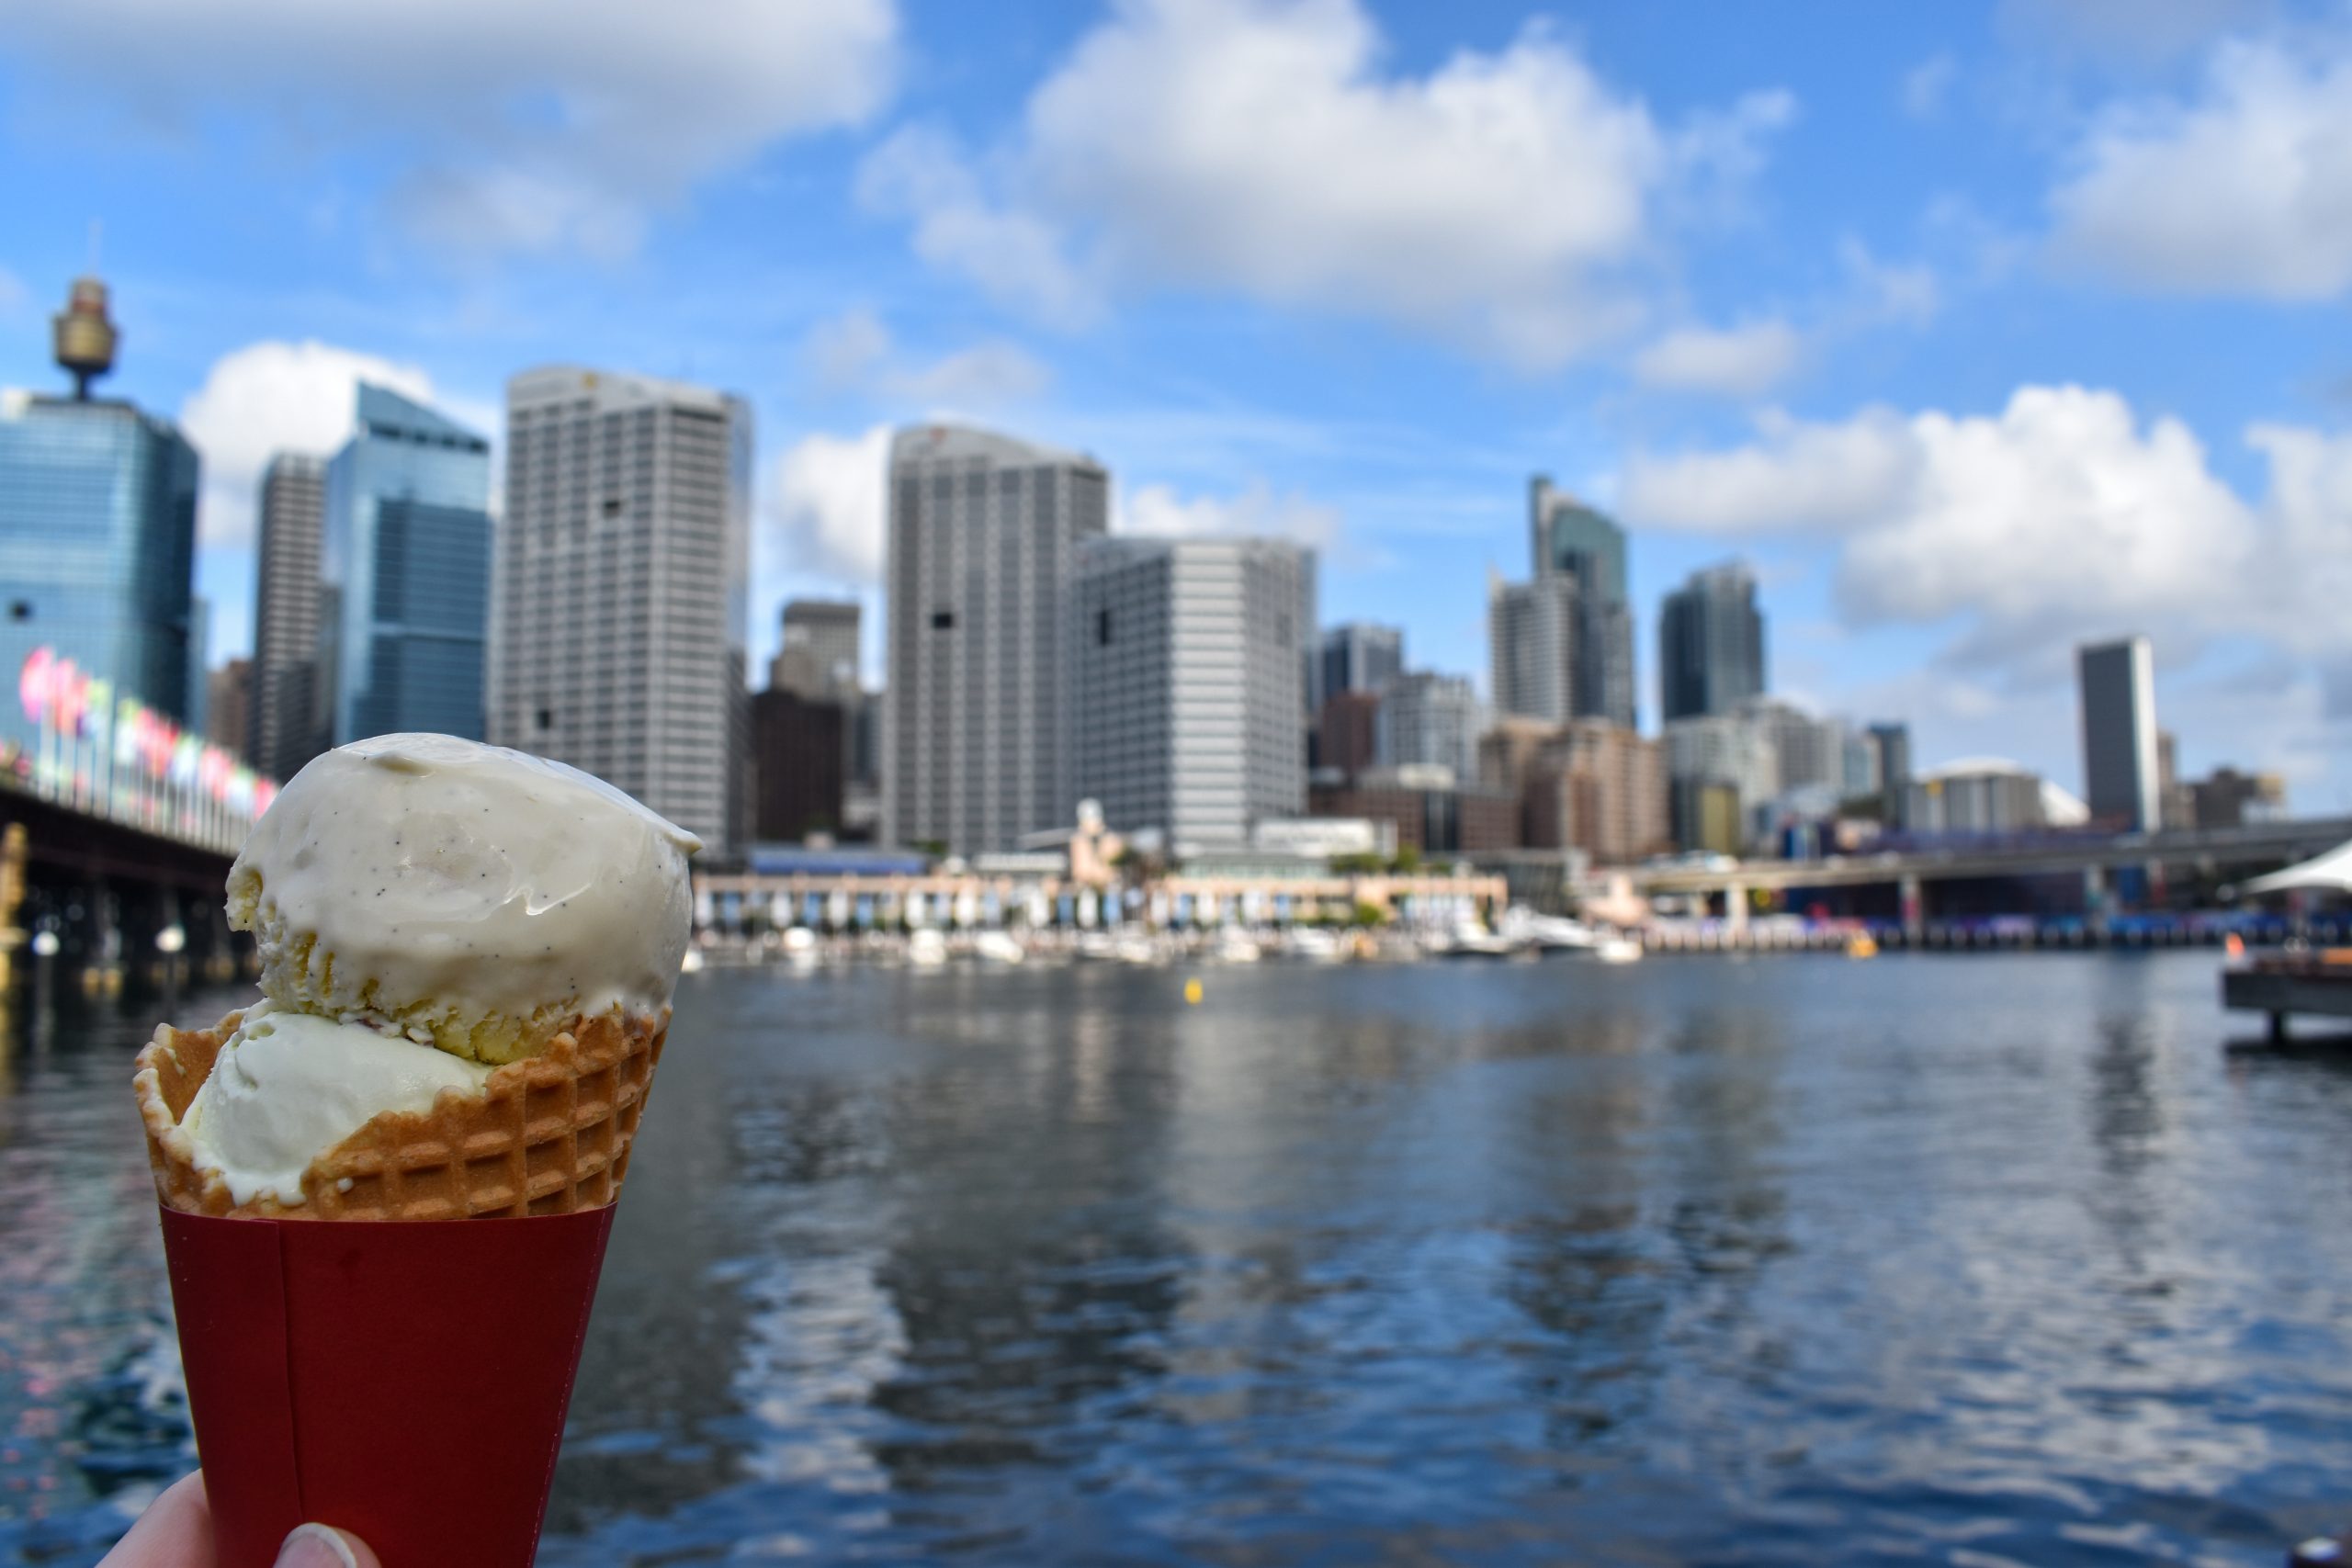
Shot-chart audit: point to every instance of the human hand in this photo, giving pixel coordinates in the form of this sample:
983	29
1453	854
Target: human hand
176	1532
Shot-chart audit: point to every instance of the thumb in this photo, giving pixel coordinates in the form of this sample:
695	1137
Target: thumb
316	1546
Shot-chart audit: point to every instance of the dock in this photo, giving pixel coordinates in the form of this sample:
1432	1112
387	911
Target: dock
2278	984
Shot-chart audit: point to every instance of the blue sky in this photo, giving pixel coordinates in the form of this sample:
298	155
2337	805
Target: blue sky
1979	331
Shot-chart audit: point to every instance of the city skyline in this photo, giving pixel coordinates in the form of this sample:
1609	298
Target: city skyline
1898	319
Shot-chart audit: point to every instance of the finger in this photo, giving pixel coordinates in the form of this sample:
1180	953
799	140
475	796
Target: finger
174	1533
321	1546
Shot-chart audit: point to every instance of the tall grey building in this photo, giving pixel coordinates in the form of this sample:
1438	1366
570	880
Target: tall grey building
1534	634
1805	750
984	533
1356	655
1186	696
1572	539
282	729
624	567
1710	643
2118	696
406	553
1431	719
1893	740
817	656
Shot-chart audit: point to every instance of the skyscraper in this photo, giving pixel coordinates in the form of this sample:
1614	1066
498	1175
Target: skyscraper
624	571
817	656
1187	658
1534	633
1356	656
984	533
2119	698
97	528
406	551
1710	643
1894	743
1570	539
282	728
1432	720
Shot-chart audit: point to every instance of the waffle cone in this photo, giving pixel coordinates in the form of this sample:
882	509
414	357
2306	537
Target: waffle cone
547	1135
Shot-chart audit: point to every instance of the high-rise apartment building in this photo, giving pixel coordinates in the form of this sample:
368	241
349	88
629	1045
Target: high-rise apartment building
1187	661
984	534
1710	643
795	765
97	529
1432	720
624	571
1713	757
282	726
2118	700
1534	634
406	559
1807	752
1570	539
1356	656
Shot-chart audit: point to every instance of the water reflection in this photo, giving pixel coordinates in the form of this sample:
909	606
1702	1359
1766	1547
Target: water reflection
1980	1260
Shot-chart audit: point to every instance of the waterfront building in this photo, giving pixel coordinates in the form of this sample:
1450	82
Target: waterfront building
983	543
1507	751
1730	753
97	528
2228	798
1321	837
228	705
283	729
624	570
1356	655
1572	539
1988	795
2176	807
406	557
1598	788
1710	643
797	754
1861	775
1187	661
1807	752
1430	719
1428	808
1534	631
2118	684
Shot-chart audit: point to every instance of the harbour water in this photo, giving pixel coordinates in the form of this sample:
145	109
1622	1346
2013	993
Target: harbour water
1979	1261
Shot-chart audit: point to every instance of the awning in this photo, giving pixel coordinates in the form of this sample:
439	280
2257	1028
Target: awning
2332	870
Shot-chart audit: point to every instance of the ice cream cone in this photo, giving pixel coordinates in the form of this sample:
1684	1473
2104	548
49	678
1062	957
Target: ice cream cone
549	1134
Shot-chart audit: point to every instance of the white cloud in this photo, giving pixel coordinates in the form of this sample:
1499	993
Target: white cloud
1884	291
273	396
1257	511
1504	199
827	509
2245	189
1733	362
2060	517
13	294
855	353
528	125
1927	84
2130	32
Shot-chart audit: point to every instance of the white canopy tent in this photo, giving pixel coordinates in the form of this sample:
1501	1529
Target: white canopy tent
2331	870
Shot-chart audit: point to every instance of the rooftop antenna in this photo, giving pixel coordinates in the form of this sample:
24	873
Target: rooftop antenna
83	333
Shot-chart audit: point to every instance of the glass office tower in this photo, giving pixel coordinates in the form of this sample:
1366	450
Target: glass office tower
97	541
406	563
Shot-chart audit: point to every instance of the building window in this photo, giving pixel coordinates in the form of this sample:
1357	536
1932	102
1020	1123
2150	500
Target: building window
1103	627
545	718
943	620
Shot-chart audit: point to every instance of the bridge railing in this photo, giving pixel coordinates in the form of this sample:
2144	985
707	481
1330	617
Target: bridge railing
113	756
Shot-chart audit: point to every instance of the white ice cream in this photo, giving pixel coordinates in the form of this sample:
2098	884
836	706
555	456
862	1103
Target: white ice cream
464	893
288	1085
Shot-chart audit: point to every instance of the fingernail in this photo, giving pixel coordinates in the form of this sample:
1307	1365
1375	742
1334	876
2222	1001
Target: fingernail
315	1546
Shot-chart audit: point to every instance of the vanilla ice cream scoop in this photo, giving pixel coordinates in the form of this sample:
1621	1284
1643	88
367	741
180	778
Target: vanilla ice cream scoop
287	1087
463	894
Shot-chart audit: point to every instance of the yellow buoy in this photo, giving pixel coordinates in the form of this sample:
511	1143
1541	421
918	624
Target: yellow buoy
1193	991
